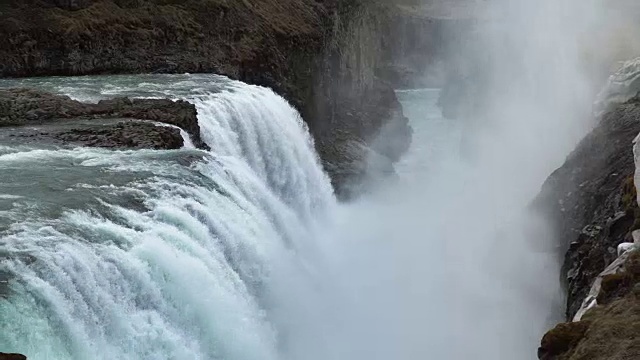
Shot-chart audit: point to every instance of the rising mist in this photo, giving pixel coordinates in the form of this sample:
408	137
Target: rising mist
447	262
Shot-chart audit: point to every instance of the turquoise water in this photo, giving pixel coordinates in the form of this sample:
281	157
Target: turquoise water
159	254
243	253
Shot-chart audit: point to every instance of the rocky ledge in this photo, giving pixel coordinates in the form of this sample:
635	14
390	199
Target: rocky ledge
120	123
592	204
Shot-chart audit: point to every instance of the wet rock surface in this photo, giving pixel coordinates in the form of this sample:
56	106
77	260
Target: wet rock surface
590	200
37	116
125	135
346	149
357	164
561	339
104	133
5	356
608	331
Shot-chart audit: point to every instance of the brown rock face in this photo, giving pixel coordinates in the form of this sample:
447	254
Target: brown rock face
73	4
562	338
4	356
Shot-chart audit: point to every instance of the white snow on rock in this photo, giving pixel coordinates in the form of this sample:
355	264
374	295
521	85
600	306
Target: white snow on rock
590	301
624	247
623	85
636	177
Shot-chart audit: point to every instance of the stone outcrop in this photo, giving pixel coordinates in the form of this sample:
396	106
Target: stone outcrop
4	356
118	123
113	134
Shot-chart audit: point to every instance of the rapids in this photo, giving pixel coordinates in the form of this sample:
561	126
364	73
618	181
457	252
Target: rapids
159	254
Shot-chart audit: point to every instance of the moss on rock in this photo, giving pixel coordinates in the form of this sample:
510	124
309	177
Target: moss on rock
610	330
561	339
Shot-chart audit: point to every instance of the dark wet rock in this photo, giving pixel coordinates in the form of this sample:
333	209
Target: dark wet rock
358	163
126	135
179	113
590	201
5	356
116	123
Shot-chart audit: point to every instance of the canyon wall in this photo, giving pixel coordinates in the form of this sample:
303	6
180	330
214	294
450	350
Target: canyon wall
592	204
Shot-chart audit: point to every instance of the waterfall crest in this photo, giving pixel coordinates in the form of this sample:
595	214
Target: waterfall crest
159	254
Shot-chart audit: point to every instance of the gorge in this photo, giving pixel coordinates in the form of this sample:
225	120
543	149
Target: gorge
304	179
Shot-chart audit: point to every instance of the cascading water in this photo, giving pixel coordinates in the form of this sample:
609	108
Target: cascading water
160	254
243	253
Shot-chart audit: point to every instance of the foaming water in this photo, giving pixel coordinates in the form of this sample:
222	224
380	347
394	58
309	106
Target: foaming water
160	254
243	253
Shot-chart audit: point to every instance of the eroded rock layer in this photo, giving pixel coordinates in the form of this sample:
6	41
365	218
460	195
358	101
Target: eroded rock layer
118	123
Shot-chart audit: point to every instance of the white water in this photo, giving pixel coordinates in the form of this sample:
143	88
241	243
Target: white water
192	271
230	255
242	253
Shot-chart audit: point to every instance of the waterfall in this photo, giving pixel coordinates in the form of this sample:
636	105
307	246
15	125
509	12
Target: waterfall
161	254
